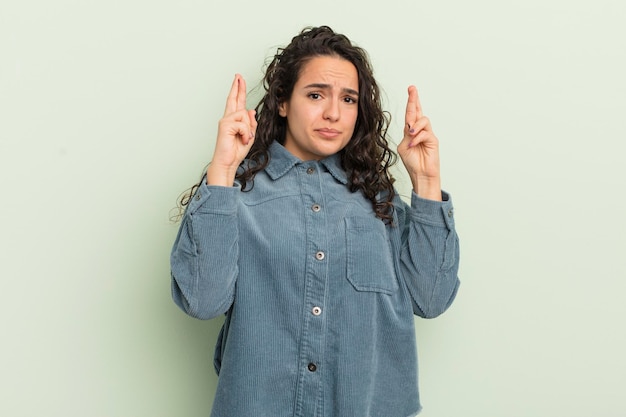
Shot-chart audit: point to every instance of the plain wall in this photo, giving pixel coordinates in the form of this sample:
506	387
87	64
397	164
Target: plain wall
108	110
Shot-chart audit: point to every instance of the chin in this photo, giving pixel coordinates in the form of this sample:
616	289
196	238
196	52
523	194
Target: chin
329	149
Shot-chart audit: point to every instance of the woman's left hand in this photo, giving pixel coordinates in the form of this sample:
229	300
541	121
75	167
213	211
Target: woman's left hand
419	150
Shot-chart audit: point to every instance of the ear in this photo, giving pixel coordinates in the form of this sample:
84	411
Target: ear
282	109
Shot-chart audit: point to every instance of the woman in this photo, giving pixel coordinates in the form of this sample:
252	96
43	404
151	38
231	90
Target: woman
297	235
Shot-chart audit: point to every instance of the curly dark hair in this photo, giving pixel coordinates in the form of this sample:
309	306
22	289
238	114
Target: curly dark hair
367	156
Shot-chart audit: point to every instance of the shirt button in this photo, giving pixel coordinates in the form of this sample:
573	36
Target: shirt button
198	196
312	367
450	212
320	256
310	170
316	311
316	207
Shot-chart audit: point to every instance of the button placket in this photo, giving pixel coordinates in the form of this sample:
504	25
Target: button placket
311	353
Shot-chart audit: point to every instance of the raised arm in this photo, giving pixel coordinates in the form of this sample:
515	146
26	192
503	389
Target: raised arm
204	259
430	246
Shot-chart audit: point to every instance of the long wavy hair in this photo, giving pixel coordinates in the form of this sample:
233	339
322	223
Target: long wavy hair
366	158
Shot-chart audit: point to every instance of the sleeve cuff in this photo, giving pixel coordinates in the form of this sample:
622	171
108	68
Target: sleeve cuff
214	199
436	213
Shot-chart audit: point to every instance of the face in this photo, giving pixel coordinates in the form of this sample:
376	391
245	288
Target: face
323	108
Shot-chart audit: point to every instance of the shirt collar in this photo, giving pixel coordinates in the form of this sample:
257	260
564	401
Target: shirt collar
281	161
333	165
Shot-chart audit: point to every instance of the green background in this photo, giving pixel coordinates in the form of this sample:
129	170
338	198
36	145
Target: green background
108	110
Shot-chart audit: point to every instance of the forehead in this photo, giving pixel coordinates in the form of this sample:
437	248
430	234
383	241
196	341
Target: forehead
331	70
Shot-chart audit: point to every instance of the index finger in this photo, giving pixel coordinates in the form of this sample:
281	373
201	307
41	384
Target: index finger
413	107
237	96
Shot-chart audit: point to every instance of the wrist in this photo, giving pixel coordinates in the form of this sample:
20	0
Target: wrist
220	175
427	187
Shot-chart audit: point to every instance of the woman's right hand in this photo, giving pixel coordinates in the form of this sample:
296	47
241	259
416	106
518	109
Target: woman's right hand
235	135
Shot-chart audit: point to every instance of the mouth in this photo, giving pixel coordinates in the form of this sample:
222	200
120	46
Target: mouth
328	133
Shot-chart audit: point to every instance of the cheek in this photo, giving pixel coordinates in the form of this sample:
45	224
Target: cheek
302	114
353	119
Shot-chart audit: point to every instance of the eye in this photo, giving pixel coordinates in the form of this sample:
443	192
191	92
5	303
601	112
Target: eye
350	100
314	96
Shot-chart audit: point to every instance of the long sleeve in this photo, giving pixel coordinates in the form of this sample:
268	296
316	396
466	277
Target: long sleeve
429	258
205	254
322	287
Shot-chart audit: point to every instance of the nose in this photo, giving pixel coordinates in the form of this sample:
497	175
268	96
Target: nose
331	112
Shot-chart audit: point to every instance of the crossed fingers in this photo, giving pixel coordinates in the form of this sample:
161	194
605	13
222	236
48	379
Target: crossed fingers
417	125
236	110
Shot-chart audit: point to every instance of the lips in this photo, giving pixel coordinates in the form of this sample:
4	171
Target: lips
328	133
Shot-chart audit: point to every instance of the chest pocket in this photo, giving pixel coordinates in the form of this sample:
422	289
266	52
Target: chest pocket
369	257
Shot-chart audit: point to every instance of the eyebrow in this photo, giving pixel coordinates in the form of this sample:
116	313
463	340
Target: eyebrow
322	86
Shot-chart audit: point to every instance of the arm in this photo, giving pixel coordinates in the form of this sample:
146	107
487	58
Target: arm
429	254
430	250
205	254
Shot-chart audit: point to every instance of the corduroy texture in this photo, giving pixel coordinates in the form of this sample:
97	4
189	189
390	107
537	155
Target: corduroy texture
319	293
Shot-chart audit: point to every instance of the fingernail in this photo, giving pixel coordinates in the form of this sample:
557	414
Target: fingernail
411	131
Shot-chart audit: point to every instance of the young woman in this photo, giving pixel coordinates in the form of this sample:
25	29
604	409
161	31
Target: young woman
297	235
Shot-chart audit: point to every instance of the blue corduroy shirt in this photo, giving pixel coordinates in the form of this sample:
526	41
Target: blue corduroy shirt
319	294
